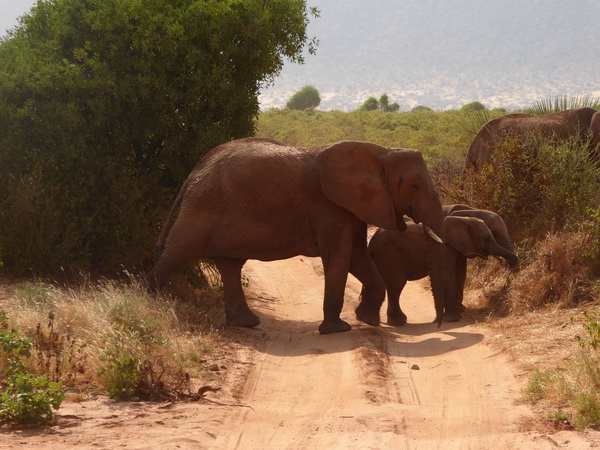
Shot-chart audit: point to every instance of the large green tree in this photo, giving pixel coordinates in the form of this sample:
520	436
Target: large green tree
106	105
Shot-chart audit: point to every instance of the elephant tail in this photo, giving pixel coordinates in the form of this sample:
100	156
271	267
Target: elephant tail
160	243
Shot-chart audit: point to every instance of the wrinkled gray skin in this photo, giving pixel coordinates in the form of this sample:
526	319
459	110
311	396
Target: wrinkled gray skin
563	125
402	257
259	199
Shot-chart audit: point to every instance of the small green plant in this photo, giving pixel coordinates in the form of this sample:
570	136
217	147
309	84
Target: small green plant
537	385
25	398
120	371
592	327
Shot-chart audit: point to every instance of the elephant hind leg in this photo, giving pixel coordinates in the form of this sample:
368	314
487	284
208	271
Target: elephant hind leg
237	311
167	264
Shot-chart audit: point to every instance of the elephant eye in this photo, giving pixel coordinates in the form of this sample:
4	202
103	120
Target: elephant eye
415	186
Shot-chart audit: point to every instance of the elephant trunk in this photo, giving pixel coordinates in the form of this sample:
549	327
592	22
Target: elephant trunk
510	257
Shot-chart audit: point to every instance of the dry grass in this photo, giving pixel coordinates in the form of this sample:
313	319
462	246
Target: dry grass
536	314
77	330
552	274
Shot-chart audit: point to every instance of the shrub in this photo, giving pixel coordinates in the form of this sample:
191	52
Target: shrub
537	185
473	106
105	107
24	397
306	98
118	337
573	392
383	104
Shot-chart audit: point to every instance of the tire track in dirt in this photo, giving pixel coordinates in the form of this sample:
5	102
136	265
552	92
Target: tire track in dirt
411	387
287	387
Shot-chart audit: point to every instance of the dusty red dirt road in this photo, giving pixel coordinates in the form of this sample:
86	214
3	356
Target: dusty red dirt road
287	387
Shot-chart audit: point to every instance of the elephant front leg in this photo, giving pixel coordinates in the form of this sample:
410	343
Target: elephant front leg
237	312
336	275
454	297
373	291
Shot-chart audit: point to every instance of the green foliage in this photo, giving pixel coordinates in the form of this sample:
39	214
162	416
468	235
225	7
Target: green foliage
561	103
28	399
592	328
118	335
436	134
537	185
473	106
474	119
575	391
24	397
536	384
105	106
383	104
305	98
370	104
120	371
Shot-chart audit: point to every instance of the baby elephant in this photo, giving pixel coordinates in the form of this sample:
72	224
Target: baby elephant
402	256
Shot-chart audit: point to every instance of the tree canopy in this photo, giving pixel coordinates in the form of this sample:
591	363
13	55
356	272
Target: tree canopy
305	98
106	105
383	104
473	106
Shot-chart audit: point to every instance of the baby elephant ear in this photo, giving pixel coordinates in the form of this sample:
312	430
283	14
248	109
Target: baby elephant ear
458	234
352	176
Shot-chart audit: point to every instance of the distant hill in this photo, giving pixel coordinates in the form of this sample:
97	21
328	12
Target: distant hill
445	53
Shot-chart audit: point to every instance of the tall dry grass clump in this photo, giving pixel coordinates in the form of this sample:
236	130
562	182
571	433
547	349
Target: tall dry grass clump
557	275
117	337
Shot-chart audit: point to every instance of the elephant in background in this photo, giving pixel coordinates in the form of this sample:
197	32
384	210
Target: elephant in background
402	257
259	199
574	122
595	130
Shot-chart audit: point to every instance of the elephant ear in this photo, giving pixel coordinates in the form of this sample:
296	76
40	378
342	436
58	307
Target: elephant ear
494	223
459	236
352	176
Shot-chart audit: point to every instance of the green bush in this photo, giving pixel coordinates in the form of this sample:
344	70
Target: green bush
592	328
120	371
105	106
24	397
383	104
436	134
473	106
537	185
306	98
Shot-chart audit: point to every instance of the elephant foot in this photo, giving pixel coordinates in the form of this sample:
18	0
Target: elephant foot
333	326
452	316
248	320
396	320
367	316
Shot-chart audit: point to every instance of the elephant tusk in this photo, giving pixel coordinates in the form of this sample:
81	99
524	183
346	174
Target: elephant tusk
432	235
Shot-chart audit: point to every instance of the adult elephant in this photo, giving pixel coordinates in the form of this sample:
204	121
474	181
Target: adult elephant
402	257
562	124
595	131
259	199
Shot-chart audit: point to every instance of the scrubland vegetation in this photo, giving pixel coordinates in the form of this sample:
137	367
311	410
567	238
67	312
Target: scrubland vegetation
115	337
548	194
96	138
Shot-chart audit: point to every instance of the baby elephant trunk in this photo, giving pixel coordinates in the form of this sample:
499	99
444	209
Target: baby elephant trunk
510	257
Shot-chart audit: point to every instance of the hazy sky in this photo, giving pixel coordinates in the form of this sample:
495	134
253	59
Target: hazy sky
10	10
